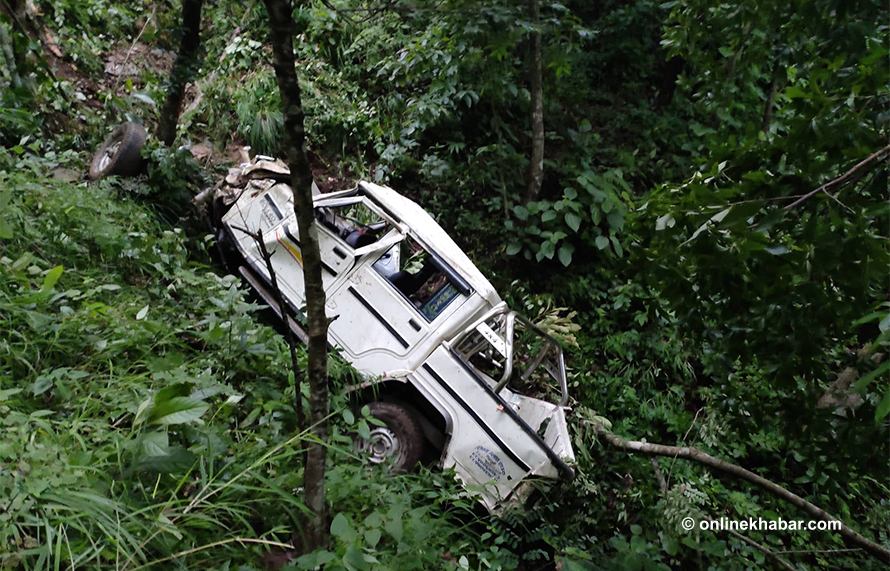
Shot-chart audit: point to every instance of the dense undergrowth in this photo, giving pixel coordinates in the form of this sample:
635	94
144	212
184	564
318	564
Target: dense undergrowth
147	412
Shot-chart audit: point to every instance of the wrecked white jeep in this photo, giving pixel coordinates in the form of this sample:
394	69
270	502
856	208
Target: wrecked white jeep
446	360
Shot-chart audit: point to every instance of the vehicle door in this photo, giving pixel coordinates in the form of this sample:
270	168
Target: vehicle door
391	302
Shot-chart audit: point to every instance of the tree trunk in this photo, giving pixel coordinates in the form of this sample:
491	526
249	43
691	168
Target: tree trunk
8	55
183	70
536	168
14	53
696	455
281	26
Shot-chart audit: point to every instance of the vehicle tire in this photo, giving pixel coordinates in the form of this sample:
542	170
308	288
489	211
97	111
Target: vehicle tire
400	441
121	153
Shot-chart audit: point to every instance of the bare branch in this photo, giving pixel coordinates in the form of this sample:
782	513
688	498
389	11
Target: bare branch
841	179
288	334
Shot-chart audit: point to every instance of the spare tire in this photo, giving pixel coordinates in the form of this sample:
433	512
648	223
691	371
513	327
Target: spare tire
121	153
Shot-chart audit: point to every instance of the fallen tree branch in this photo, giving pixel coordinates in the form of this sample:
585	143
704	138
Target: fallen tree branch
841	179
696	455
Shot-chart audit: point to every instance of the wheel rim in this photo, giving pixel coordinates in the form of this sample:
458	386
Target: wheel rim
107	155
382	444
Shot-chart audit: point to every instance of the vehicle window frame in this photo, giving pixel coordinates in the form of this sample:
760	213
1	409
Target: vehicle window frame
462	289
343	201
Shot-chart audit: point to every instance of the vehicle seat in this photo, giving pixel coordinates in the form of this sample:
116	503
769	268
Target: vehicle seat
403	281
358	239
408	283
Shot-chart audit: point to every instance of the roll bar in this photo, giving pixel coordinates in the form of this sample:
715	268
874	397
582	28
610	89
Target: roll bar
510	318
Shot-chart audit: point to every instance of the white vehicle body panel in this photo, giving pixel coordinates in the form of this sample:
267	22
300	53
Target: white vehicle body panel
492	433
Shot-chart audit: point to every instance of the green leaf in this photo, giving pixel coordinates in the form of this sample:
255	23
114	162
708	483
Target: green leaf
178	410
884	325
548	249
354	559
596	214
779	250
602	242
176	459
740	213
573	221
513	248
5	229
394	528
51	278
142	313
340	527
548	215
348	417
363	429
42	384
315	560
666	221
615	220
795	92
171	391
883	407
617	245
374	519
565	254
372	537
154	443
521	212
865	380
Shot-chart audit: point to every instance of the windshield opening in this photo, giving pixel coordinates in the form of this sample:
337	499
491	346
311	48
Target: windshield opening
353	221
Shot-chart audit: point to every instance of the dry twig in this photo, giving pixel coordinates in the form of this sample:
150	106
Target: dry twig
843	179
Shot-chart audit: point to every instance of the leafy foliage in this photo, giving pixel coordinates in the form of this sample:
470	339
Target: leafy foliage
145	406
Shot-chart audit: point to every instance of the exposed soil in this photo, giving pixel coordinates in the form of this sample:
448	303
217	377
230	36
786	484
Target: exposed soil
138	62
131	61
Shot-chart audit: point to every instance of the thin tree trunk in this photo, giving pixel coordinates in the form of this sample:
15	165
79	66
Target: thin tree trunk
696	455
281	25
183	70
536	168
13	52
284	311
7	53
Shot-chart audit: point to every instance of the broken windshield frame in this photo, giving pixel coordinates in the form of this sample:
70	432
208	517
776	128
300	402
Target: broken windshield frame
504	346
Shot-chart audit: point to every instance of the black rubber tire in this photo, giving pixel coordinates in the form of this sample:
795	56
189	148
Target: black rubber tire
127	159
406	427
